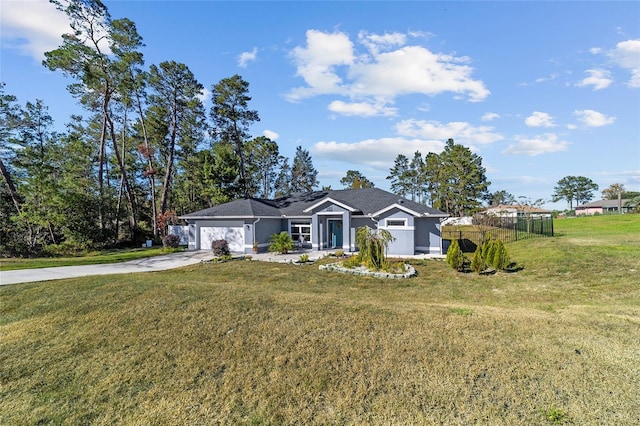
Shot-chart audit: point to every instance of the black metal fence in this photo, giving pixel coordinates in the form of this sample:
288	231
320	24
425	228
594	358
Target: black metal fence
505	229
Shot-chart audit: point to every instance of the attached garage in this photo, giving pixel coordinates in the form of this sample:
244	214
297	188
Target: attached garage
233	234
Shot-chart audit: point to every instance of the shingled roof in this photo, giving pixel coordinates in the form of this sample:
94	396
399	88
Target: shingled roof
603	204
365	201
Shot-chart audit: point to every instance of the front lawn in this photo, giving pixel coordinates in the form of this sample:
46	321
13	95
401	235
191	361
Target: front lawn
94	258
247	342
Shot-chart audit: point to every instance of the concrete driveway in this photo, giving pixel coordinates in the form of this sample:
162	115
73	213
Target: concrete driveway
150	264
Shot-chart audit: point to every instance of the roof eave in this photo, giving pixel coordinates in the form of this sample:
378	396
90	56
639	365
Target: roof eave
229	217
331	200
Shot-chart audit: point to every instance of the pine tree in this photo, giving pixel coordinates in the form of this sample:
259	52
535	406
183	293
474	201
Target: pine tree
355	180
500	259
303	174
455	258
478	262
398	176
232	118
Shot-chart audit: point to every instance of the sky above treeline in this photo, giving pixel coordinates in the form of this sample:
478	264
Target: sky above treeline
540	90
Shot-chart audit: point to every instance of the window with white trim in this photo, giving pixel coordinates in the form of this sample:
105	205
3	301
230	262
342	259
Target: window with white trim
301	229
396	223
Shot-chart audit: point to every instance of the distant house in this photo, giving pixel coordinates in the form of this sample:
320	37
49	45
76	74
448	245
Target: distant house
324	220
602	207
515	211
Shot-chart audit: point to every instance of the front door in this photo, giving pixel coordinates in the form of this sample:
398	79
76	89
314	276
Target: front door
335	233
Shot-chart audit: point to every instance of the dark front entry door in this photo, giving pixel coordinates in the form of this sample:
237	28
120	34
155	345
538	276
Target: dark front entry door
335	233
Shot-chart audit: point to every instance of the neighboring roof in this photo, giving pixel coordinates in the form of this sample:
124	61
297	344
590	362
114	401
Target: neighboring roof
365	201
602	203
516	207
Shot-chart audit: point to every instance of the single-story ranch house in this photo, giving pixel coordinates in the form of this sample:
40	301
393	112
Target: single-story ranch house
325	220
602	207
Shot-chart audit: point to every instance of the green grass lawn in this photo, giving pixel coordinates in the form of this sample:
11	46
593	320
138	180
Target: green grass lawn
94	258
246	342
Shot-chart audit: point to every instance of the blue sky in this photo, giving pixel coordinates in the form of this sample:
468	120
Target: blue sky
540	90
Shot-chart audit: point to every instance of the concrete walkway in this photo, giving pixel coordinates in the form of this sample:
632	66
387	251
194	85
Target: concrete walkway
149	264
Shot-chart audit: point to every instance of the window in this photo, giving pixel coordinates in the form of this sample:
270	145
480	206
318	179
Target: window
301	229
396	222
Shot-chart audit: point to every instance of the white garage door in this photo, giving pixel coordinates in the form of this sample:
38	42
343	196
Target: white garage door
233	235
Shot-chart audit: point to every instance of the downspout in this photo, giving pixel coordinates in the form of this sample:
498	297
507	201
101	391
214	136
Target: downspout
254	231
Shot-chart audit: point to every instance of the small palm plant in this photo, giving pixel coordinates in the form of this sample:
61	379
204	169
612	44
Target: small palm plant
281	242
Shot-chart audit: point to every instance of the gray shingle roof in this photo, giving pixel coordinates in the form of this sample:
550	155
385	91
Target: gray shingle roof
603	203
250	207
364	201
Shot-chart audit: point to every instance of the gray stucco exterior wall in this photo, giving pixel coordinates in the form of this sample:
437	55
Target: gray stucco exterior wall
400	225
428	234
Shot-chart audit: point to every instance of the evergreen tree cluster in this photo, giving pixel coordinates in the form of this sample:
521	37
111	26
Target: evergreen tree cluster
146	150
453	181
491	254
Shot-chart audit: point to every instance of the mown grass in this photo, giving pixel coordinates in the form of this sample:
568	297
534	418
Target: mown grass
93	258
260	343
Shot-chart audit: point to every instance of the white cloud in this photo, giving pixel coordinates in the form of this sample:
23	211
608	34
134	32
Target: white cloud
378	153
539	119
627	55
592	118
205	96
550	77
271	135
375	43
316	63
542	144
415	69
245	57
490	116
460	131
598	78
386	68
32	27
363	109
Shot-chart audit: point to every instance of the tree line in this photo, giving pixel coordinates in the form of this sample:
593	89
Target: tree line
146	151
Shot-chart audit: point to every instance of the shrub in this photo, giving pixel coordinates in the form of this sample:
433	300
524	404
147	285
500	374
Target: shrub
397	268
281	242
500	259
486	244
172	241
352	262
455	257
490	252
69	247
478	262
304	258
220	248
